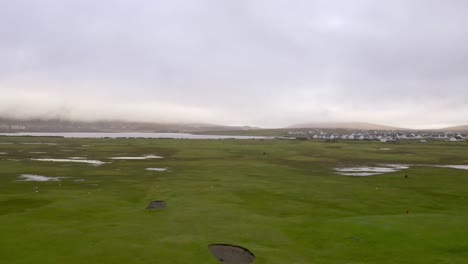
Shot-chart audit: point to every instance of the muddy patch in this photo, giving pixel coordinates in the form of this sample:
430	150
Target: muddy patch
155	205
93	162
231	254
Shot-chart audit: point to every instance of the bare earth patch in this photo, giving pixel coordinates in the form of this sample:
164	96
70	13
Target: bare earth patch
231	254
154	205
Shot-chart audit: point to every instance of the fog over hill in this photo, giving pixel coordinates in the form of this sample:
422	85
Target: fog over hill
10	125
58	125
347	125
456	128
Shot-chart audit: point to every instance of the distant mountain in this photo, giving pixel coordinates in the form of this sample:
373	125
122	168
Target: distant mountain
57	125
346	125
455	128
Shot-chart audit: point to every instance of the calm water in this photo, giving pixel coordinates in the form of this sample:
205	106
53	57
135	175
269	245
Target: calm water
132	135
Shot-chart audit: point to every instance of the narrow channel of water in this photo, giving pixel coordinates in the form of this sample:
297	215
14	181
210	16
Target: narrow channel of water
133	135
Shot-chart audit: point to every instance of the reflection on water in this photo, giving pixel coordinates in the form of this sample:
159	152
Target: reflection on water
39	143
94	162
370	171
39	178
387	168
137	158
156	169
458	167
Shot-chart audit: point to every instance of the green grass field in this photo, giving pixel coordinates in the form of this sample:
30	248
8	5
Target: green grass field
287	205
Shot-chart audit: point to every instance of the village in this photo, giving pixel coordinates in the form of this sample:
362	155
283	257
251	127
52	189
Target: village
378	135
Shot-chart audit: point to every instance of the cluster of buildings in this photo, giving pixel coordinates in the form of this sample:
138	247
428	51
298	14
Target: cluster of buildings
17	127
382	136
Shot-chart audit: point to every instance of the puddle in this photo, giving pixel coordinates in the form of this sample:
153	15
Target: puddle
38	143
397	166
458	167
367	169
156	169
370	171
3	153
362	174
385	149
37	178
94	162
387	168
137	158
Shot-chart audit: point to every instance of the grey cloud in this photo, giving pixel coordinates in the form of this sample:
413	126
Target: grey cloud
245	62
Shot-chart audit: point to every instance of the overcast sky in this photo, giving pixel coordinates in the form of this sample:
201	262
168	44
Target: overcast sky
267	63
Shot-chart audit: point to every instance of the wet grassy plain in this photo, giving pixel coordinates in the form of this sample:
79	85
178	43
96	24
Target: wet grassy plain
280	199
